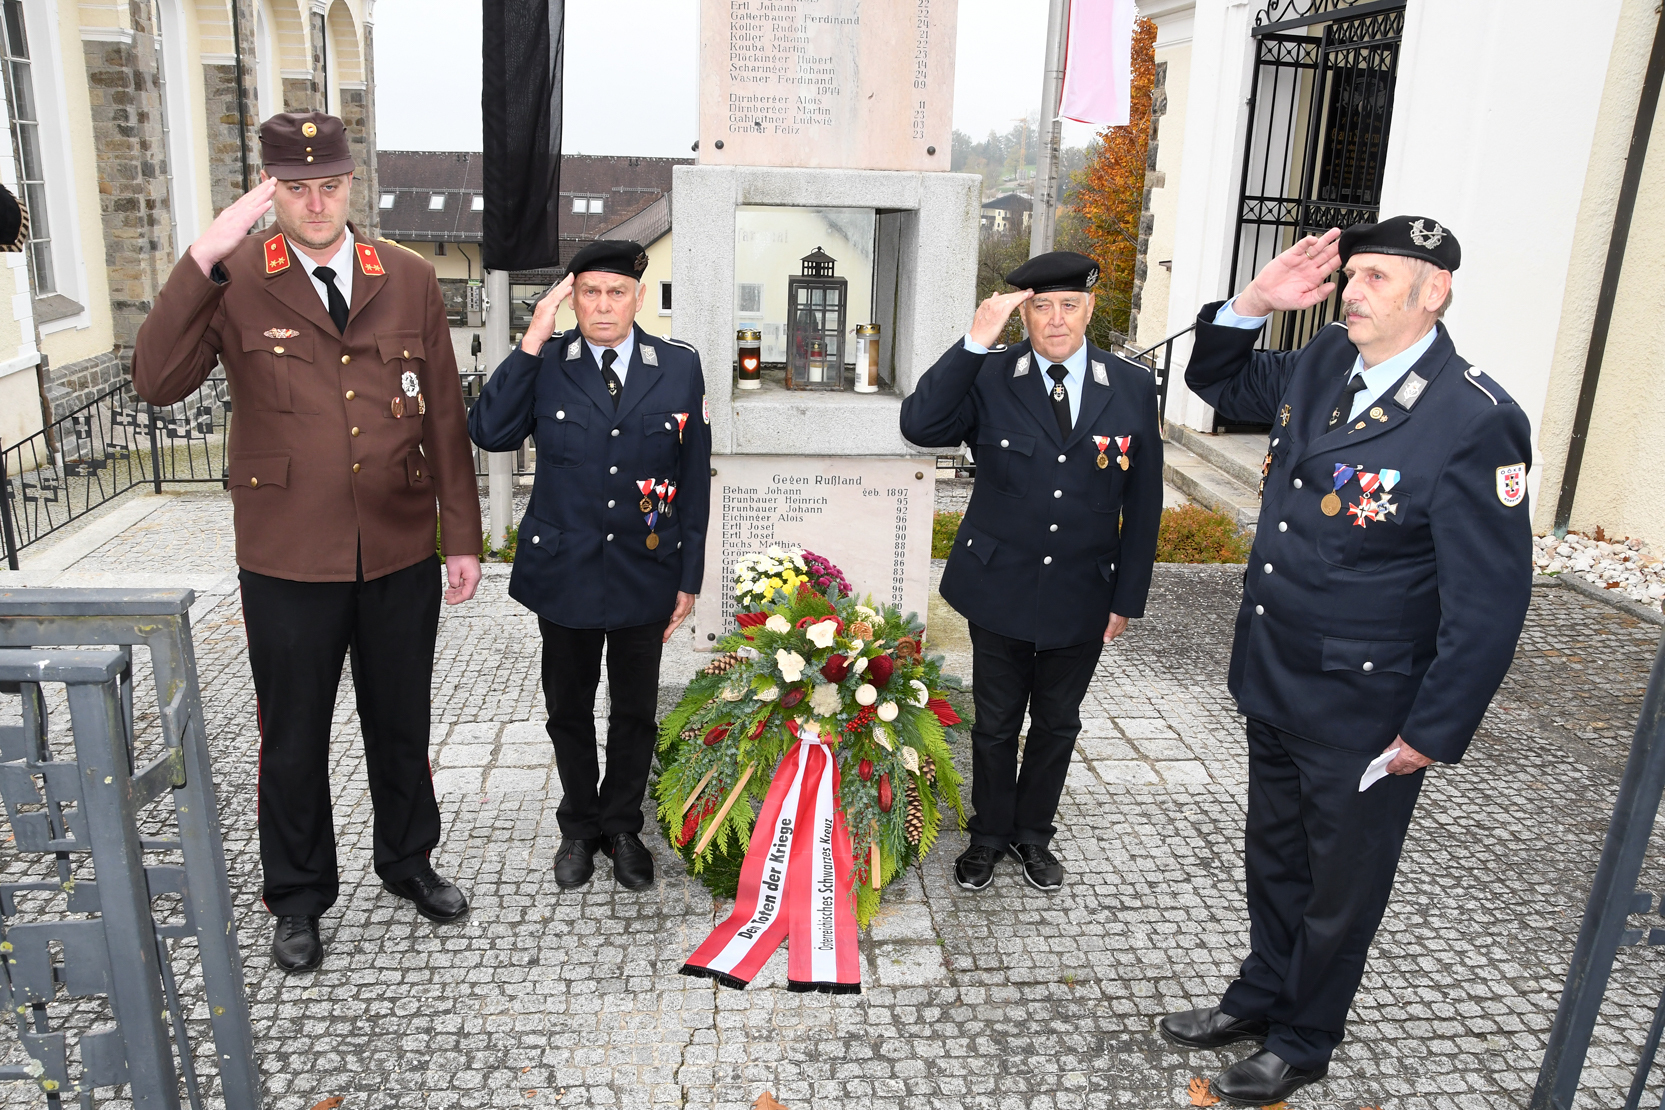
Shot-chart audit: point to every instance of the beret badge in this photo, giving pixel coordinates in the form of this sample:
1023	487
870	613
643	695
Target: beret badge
1092	277
309	129
641	262
1424	238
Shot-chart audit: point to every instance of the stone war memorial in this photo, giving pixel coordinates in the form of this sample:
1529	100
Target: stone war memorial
842	108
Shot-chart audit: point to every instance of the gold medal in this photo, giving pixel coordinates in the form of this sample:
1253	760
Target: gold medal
398	407
1122	462
1102	461
652	540
647	506
421	405
1331	505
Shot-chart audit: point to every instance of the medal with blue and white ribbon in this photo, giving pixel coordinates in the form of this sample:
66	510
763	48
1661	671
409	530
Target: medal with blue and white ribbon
1331	505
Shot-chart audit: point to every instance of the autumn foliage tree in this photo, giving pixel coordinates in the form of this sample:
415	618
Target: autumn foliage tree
1109	192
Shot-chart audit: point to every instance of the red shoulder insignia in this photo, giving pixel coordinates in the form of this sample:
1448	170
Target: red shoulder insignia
277	255
369	261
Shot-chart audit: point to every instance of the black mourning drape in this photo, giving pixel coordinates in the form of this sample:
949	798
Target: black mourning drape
520	102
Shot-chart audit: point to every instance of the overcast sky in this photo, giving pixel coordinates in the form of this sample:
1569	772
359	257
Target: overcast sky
632	67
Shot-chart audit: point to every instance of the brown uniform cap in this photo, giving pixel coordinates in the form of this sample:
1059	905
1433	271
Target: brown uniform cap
295	146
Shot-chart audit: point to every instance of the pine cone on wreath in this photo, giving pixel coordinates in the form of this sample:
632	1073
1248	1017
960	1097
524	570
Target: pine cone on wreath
914	824
929	769
722	664
690	734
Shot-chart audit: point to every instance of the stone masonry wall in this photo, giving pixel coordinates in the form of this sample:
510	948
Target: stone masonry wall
125	98
74	384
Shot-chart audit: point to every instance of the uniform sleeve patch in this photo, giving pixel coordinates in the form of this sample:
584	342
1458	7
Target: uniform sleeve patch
1511	484
705	409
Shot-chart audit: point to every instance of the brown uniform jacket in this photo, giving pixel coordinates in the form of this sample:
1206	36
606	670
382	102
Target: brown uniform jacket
319	463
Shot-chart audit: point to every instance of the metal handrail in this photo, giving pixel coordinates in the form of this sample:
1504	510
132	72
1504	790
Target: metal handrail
1159	371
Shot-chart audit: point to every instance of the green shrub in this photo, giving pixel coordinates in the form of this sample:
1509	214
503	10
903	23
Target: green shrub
504	554
944	527
1193	534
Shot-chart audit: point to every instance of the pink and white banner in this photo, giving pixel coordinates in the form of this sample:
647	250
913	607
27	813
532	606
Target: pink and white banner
794	883
1098	62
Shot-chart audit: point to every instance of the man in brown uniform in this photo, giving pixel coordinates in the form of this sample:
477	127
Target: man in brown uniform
348	425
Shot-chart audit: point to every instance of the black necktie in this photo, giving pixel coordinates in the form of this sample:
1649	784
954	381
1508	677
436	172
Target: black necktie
338	303
1344	407
1060	400
614	386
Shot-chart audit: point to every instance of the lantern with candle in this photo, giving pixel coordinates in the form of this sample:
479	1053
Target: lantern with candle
816	300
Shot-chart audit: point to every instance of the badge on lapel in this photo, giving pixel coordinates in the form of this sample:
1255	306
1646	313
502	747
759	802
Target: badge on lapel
572	350
369	261
1511	484
277	255
650	356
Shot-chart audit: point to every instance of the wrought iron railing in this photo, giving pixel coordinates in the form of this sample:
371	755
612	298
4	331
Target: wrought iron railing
1160	368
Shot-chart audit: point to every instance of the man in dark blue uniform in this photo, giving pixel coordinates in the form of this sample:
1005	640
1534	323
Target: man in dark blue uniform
1055	551
612	548
1387	586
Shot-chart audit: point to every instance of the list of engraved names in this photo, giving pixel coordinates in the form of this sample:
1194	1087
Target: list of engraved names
827	83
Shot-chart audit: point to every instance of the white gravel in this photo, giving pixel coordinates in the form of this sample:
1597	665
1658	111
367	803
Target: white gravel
1627	566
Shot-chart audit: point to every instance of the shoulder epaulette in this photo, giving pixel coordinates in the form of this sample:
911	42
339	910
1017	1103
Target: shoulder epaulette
401	246
1473	377
679	343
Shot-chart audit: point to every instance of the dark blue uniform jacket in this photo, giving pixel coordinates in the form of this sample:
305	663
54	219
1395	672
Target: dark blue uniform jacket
1051	543
583	559
1351	634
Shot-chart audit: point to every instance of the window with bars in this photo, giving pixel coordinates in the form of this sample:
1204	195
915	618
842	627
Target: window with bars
26	146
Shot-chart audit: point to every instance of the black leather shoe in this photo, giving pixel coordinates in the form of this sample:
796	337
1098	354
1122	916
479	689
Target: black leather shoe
296	945
436	898
573	865
632	862
1210	1028
974	870
1263	1079
1041	868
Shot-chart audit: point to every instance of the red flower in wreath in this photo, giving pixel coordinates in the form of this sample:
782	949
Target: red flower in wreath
836	668
879	670
945	712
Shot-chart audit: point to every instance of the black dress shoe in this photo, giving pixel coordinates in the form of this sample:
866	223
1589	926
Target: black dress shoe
974	870
436	898
295	943
1041	868
632	862
1263	1079
1210	1028
573	865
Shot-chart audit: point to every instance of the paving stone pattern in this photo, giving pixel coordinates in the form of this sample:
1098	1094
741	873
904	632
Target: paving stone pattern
1006	998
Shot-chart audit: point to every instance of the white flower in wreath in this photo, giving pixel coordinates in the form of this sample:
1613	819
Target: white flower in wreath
865	611
921	694
888	711
746	652
733	693
821	633
825	700
768	693
859	665
866	694
774	553
791	664
855	649
778	623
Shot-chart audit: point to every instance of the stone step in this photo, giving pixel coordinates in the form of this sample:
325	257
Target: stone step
1239	455
1210	486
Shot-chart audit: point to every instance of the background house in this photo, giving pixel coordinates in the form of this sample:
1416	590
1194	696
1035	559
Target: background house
1007	214
1507	121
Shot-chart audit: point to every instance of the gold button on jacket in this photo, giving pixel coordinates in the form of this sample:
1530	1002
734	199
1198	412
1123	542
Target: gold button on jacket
322	492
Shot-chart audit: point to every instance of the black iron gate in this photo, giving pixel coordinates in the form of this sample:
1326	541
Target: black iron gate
1320	108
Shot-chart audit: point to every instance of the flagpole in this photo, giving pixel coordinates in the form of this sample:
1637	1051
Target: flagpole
1043	223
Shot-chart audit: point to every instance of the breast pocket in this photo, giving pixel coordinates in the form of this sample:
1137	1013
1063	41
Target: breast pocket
274	368
562	432
404	363
1004	458
1346	543
659	443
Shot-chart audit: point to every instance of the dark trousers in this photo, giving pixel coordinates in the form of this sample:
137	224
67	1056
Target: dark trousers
1320	859
571	671
1009	676
299	633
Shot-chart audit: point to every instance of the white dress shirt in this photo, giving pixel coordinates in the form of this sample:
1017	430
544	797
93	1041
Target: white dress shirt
626	346
1075	365
342	264
1376	378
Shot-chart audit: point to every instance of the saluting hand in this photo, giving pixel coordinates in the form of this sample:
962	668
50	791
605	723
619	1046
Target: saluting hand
543	317
232	225
1294	279
992	315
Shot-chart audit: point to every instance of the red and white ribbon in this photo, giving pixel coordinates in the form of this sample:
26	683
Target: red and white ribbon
794	884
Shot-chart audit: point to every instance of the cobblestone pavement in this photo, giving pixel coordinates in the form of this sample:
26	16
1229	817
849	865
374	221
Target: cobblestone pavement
1003	999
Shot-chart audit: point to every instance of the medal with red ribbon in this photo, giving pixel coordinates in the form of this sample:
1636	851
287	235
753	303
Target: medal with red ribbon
681	423
1122	444
646	486
659	489
1368	481
670	496
1103	443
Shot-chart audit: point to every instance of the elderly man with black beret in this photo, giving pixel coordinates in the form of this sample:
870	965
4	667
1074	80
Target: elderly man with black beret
1387	586
1055	551
612	548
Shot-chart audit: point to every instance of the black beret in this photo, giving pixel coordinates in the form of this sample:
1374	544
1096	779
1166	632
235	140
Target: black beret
1411	236
1055	271
611	256
297	146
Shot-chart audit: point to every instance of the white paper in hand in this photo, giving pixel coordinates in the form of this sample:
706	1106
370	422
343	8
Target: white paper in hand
1377	769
